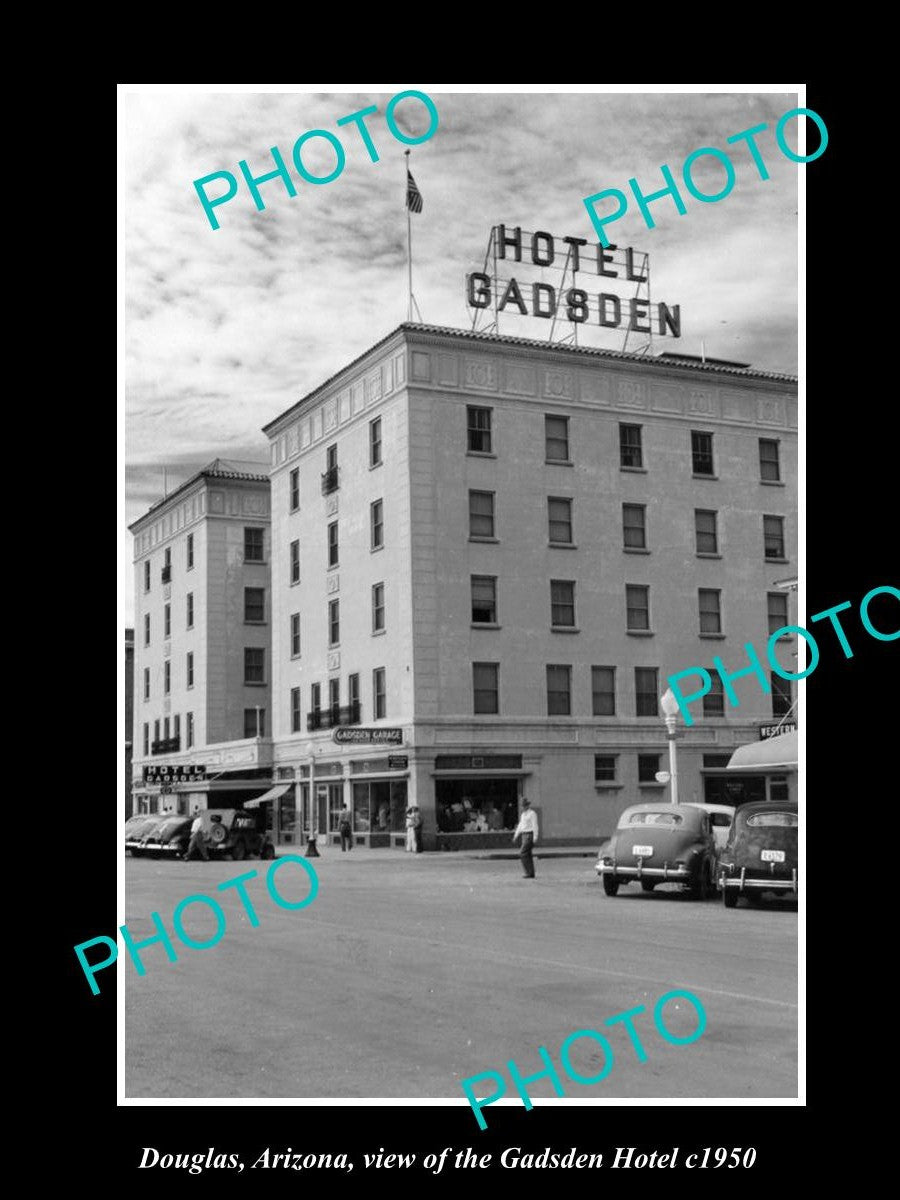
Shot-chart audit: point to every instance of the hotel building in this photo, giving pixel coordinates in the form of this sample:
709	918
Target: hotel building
202	660
488	553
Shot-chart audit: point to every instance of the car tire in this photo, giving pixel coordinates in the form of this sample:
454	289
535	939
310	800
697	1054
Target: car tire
648	885
729	897
699	888
268	851
238	851
610	885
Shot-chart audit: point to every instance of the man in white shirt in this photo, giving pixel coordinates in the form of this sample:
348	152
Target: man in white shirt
527	829
197	841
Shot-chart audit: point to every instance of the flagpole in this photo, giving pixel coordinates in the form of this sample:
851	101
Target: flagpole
409	313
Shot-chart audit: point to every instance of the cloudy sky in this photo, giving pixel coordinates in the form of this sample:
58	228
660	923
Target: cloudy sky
222	330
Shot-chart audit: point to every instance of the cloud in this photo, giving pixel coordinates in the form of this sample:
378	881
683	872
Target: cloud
225	329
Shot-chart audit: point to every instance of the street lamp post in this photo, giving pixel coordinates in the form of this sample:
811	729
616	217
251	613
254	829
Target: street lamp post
312	850
669	705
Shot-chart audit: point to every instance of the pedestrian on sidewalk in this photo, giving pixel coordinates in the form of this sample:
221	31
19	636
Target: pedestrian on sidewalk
197	842
411	830
527	830
345	828
417	829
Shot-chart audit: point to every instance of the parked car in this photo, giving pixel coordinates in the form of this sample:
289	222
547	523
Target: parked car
234	832
721	818
761	853
660	843
138	829
169	837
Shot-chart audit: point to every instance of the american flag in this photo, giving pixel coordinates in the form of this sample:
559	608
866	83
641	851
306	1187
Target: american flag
413	195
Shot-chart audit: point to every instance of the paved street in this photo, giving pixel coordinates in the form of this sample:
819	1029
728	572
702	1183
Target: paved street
411	972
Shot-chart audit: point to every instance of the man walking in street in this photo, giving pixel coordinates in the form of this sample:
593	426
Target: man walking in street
197	842
527	829
345	828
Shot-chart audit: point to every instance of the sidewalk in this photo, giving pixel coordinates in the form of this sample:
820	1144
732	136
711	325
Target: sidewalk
390	853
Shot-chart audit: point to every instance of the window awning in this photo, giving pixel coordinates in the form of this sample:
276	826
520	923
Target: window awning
780	751
271	794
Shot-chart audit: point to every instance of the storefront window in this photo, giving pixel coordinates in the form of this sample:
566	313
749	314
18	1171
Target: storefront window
380	806
476	805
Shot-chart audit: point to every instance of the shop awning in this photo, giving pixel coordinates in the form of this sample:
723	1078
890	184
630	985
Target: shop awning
780	751
271	794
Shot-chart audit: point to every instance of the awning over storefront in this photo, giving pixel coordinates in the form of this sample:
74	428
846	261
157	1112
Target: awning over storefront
271	794
774	752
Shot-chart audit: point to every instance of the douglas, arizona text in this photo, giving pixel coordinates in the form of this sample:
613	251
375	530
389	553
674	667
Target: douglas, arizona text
281	171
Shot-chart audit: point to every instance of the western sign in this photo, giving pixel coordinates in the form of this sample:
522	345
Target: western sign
570	256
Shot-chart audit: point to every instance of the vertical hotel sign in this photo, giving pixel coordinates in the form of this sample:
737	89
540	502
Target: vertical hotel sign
497	288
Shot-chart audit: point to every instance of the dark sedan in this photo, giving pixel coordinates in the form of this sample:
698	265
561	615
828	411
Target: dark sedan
761	853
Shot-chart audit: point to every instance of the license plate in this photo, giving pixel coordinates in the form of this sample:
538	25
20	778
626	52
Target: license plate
772	855
642	851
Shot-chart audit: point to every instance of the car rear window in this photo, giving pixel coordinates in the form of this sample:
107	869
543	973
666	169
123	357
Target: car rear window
655	818
771	819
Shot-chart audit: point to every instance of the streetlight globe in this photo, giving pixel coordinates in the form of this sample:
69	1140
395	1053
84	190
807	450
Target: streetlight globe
668	703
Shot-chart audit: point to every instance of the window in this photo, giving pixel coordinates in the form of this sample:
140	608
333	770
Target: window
716	761
706	530
296	710
479	430
379	693
778	789
334	622
167	677
769	467
634	526
330	478
189	727
376	521
295	562
333	547
334	700
556	438
167	564
377	607
295	635
481	514
702	453
147	575
254	605
316	694
353	697
714	700
251	729
254	664
190	552
176	727
562	603
486	687
559	691
646	692
637	606
710	604
375	442
146	629
559	511
773	536
156	731
331	457
167	620
190	610
146	683
189	668
777	605
294	489
781	695
605	768
648	765
603	691
146	739
484	600
253	545
165	729
631	451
